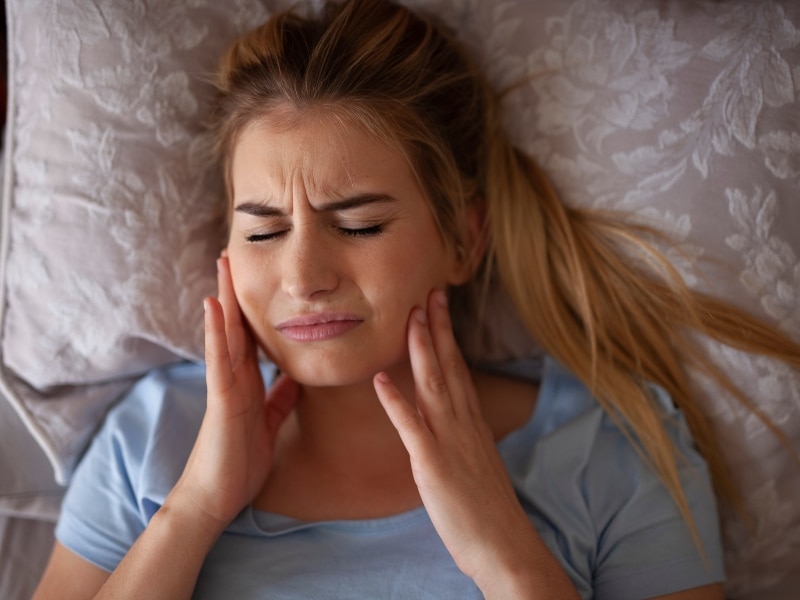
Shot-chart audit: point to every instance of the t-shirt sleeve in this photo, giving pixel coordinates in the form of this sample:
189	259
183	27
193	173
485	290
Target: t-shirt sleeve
599	507
100	517
644	546
132	464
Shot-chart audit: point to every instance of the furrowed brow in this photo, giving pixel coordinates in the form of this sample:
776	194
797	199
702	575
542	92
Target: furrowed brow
259	209
355	202
264	210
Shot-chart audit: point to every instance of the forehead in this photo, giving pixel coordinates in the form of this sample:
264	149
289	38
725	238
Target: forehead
329	154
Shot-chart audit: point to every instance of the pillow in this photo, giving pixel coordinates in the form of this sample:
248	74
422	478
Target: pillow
683	113
111	214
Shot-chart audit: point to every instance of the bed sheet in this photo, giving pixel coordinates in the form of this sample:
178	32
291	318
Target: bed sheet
24	548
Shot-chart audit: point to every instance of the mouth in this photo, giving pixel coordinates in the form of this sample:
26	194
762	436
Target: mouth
318	327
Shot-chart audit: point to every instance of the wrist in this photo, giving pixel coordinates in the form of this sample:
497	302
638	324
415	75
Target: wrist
166	559
185	520
525	570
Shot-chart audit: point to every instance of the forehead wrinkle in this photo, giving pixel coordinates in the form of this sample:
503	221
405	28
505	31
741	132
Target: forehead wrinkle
302	170
340	134
333	178
340	123
288	174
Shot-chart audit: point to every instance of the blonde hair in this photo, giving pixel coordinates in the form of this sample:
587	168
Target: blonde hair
591	290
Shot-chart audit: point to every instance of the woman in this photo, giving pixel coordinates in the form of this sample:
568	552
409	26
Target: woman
368	178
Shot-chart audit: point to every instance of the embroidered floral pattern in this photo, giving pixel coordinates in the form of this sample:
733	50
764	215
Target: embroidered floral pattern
772	270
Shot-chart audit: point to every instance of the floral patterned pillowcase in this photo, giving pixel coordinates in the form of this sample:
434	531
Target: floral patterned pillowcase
111	209
685	114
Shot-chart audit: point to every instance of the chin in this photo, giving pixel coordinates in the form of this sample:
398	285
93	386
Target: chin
325	378
335	371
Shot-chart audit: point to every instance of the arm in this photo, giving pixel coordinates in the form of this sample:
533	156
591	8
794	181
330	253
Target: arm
461	478
152	563
67	575
228	465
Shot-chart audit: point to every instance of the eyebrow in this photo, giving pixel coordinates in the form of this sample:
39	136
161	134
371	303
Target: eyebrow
262	209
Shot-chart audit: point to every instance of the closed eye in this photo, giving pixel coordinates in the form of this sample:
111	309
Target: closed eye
347	231
361	231
264	237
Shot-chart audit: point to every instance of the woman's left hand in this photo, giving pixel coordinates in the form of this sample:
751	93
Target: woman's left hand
461	478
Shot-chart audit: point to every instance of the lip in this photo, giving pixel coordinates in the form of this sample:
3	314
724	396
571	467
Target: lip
318	326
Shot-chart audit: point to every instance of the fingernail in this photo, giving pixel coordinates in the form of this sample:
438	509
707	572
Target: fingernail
205	304
420	316
441	298
382	377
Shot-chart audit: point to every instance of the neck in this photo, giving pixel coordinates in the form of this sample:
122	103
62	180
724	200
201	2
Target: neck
339	456
340	423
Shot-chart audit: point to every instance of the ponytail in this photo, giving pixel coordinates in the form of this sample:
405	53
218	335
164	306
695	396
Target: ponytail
611	308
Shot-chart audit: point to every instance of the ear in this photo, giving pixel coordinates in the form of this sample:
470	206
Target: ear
468	256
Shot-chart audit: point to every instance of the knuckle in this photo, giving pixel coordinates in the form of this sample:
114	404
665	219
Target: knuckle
457	367
409	420
436	384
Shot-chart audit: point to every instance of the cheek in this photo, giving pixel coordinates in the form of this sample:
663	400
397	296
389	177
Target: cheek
251	283
406	281
241	283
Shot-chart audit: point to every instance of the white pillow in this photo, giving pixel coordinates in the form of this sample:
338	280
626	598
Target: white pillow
686	113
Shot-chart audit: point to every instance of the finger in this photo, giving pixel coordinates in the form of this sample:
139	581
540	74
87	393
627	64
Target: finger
280	400
234	325
451	360
408	422
219	375
433	395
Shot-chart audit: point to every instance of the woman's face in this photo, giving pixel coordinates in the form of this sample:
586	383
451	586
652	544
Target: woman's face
332	244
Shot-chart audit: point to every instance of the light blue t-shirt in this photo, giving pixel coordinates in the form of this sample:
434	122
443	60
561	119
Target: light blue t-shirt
598	507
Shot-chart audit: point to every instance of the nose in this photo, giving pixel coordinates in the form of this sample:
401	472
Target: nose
310	266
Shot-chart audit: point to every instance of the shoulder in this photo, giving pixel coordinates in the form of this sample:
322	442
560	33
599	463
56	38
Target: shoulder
175	392
132	464
152	430
599	505
147	436
567	415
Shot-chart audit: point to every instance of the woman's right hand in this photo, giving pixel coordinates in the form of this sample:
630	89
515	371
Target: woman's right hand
232	455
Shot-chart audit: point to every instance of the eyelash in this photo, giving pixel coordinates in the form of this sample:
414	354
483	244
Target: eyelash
362	231
359	232
263	237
